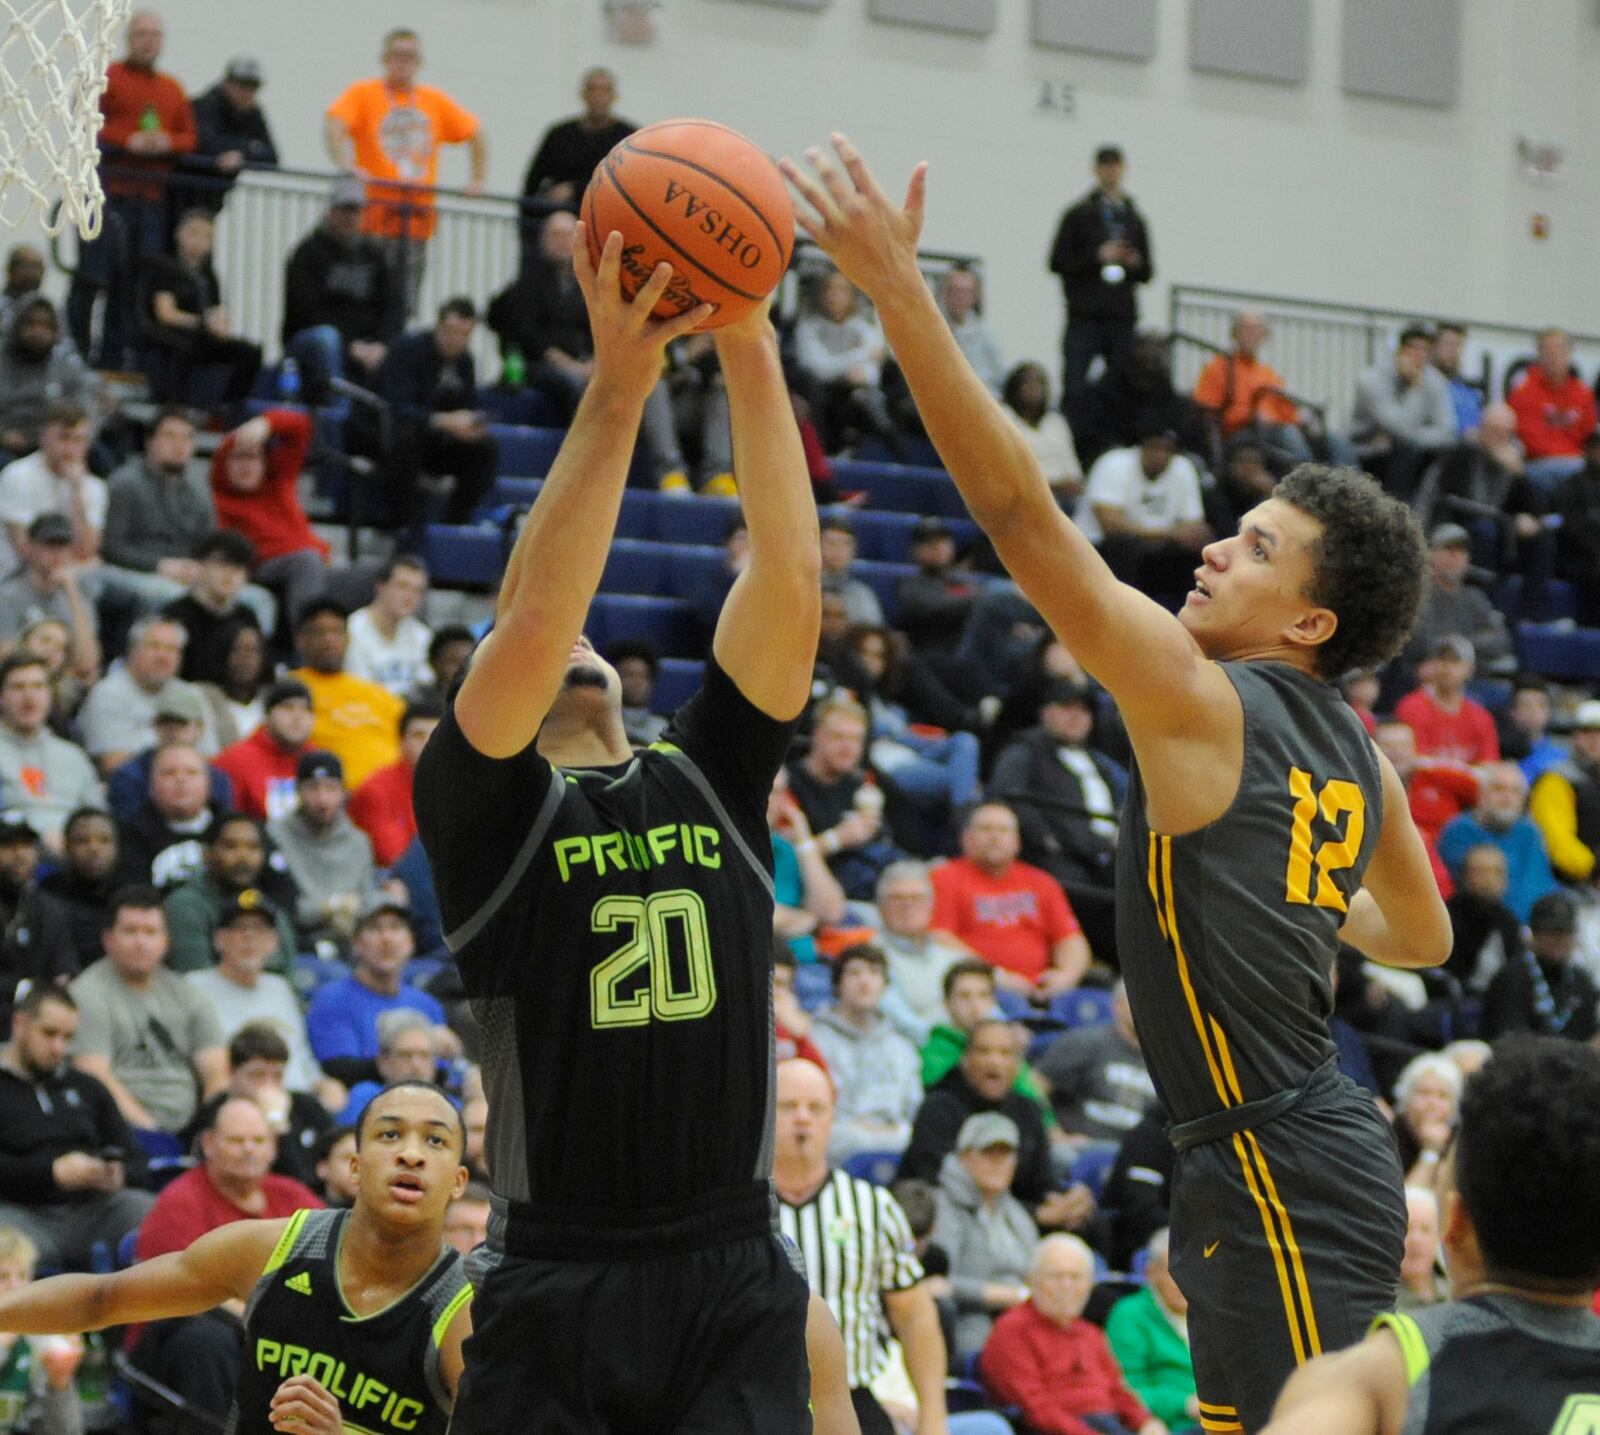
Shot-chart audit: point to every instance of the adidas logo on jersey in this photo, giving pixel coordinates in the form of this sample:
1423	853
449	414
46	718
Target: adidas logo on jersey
300	1283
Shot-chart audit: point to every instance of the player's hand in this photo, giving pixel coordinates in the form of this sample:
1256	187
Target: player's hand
305	1407
754	326
629	341
870	238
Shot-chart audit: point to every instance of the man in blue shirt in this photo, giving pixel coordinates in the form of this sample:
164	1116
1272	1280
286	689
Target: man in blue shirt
1501	819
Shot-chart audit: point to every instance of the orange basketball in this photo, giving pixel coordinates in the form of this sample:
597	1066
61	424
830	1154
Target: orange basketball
704	199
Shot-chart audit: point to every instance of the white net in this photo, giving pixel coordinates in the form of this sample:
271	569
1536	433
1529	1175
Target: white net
53	58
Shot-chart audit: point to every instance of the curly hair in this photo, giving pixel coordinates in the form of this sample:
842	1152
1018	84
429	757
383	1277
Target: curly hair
1527	1161
1370	566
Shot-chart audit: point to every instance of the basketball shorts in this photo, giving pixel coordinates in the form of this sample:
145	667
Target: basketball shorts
710	1342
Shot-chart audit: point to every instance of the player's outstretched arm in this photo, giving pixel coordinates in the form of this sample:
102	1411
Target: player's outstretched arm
1398	917
831	1410
1359	1391
222	1265
554	570
1117	633
766	638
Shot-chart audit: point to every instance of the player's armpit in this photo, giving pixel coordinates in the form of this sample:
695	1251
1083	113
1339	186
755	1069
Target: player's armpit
1399	918
1360	1391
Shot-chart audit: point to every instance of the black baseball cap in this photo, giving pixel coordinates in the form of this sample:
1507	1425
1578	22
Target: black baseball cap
283	691
1555	912
248	903
316	764
15	829
1064	690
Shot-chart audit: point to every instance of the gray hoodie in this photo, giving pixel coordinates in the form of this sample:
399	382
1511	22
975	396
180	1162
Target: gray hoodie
877	1072
985	1243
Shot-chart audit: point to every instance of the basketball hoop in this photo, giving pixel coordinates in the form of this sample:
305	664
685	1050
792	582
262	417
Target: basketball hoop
53	58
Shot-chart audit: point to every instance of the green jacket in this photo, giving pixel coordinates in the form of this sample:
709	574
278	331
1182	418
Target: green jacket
942	1051
192	911
1154	1358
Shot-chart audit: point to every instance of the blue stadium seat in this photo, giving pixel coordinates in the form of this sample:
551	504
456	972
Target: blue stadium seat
525	408
634	565
1492	693
128	1250
1551	649
1013	1005
902	487
1093	1168
1088	1006
312	973
464	555
527	452
883	579
879	1167
693	520
678	681
688	566
638	516
518	492
813	985
669	623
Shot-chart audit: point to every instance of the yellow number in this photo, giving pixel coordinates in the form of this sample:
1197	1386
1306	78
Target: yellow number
651	922
1338	799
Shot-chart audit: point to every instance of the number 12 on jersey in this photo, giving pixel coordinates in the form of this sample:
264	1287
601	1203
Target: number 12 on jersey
650	923
1338	798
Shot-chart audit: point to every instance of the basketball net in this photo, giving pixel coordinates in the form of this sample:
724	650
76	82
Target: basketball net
53	58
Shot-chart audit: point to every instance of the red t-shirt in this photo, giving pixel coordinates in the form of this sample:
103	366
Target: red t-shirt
132	93
1057	1373
1553	420
262	774
1011	921
1466	735
381	807
270	516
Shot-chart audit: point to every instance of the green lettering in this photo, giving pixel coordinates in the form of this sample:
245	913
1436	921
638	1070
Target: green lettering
641	853
321	1369
706	840
577	848
406	1414
686	843
612	845
662	840
294	1359
371	1393
268	1352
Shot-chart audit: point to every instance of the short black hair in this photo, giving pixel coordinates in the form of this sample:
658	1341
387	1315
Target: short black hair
642	648
181	412
1529	683
417	708
1414	331
402	560
17	659
317	607
1527	1162
230	547
459	307
135	897
322	1147
37	305
967	967
224	820
1108	154
33	1001
861	952
445	635
366	1111
257	1041
83	814
1370	564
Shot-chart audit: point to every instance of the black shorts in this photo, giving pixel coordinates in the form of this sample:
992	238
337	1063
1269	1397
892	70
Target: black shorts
712	1342
1287	1241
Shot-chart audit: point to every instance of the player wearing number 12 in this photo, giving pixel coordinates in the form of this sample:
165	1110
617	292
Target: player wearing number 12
1261	828
611	916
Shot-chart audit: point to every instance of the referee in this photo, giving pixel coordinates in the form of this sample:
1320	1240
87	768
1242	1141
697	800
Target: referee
859	1254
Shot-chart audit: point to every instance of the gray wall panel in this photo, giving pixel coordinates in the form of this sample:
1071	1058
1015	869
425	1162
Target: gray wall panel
1409	51
1261	39
966	17
792	4
1124	28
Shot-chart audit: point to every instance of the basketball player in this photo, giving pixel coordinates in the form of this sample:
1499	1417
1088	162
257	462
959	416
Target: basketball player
1261	828
611	916
353	1319
1518	1349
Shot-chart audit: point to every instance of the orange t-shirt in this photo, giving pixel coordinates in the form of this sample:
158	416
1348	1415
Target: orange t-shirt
397	134
1012	921
1237	405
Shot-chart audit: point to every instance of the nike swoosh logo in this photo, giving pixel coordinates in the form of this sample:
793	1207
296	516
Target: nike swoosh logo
1211	1248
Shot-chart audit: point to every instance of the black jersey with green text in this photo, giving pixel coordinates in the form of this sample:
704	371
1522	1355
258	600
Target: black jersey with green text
1500	1363
613	930
383	1368
1227	935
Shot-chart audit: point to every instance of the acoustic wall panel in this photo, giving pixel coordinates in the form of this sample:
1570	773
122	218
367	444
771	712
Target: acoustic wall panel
965	17
792	4
1123	28
1409	51
1259	39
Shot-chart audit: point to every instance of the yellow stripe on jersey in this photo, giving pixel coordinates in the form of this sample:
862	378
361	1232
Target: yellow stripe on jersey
1161	894
280	1252
1285	1288
448	1314
1301	1284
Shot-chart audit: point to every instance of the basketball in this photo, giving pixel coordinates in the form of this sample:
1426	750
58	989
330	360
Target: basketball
704	199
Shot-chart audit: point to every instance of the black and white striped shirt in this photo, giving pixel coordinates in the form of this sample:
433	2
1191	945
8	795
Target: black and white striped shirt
857	1245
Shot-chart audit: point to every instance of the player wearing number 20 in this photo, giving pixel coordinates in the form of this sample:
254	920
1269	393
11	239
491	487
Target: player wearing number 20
611	916
1261	828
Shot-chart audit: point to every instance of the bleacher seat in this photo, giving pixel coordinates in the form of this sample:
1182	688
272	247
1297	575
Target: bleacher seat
526	452
1559	600
1559	650
1093	1169
464	555
693	520
879	1167
312	973
926	491
669	623
678	681
1088	1006
813	985
527	408
635	565
1014	1006
883	579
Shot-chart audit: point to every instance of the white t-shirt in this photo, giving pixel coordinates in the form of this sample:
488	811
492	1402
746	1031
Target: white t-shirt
1052	445
1117	480
28	488
399	664
274	1002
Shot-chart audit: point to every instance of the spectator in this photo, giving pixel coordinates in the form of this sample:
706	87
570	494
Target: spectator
405	1053
874	1068
963	309
341	305
1009	912
262	766
1451	605
985	1231
1246	394
969	1001
1141	508
255	478
47	587
638	665
199	1356
876	1273
840	353
118	719
381	806
1438	788
55	479
1026	397
37	371
571	150
1149	1335
1525	728
355	719
1577	504
806	895
163	844
1555	412
388	641
1045	1357
1448	340
180	722
1101	252
66	1154
241	990
234	707
1420	1281
84	882
430	383
210	612
1485	931
1134	398
335	1169
197	908
1139	1188
327	855
985	1080
147	127
36	1375
1501	820
390	128
142	1030
183	316
231	130
42	775
259	1066
466	1222
1541	989
1096	1078
1566	801
919	958
343	1016
1403	414
1427	1098
1447	722
51	640
24	274
1482	485
36	940
829	785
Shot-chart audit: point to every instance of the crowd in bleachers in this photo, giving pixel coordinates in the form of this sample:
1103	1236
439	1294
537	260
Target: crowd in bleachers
216	922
